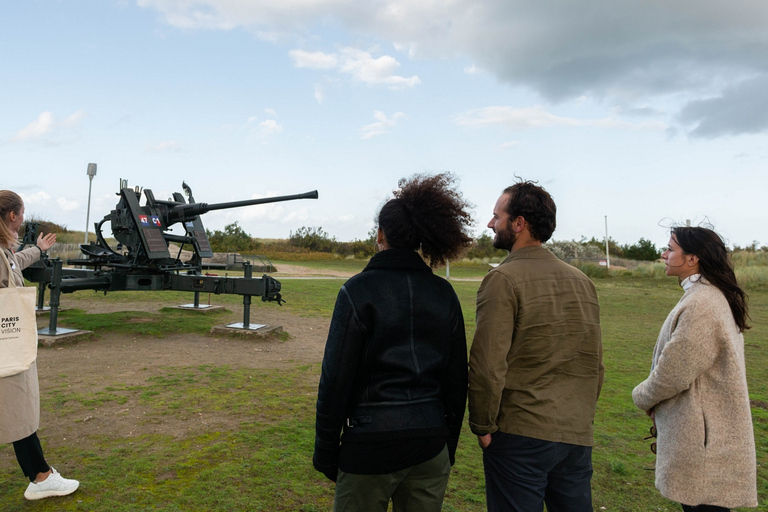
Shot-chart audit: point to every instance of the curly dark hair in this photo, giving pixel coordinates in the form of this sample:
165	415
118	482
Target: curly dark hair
715	266
427	212
535	205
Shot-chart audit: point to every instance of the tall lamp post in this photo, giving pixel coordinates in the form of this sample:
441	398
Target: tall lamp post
91	174
607	252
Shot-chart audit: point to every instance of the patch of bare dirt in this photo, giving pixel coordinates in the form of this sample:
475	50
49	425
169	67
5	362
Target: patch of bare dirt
115	361
285	269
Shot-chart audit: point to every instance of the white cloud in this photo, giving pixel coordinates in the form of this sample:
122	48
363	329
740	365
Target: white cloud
360	64
618	52
313	60
43	125
75	118
381	126
38	198
374	71
270	112
168	145
266	128
67	205
48	129
509	144
536	117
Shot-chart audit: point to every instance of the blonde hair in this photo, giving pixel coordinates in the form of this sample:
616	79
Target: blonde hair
9	202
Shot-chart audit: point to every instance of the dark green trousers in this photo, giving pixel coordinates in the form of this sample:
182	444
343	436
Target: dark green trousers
419	488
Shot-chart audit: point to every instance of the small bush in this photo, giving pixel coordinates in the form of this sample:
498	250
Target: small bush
233	238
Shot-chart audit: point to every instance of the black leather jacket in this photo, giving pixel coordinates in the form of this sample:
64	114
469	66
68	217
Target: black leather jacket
395	362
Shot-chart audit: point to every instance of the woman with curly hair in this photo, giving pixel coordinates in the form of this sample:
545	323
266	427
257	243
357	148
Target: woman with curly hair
697	392
393	387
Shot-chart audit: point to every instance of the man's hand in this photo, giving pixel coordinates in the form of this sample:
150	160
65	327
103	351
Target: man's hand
484	441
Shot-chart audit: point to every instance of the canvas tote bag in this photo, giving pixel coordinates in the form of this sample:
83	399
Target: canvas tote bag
18	326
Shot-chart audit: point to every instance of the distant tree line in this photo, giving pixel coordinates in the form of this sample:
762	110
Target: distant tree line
316	239
642	250
593	248
305	239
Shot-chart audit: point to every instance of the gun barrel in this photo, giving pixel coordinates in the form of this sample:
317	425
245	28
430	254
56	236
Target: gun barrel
185	211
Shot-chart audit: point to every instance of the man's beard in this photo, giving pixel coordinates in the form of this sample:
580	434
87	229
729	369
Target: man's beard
505	239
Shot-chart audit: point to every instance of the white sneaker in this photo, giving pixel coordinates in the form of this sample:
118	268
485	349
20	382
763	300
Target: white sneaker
54	485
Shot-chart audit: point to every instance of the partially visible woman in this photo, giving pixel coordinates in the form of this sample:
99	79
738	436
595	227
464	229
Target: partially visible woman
394	375
697	390
19	394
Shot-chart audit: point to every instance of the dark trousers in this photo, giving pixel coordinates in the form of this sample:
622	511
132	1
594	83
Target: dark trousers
704	508
522	473
29	453
420	488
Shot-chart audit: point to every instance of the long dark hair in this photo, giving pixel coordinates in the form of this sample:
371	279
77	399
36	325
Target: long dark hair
427	212
715	266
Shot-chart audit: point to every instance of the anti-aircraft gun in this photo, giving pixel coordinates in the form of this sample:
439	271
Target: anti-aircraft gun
142	258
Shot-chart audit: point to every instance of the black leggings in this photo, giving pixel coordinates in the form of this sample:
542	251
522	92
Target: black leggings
29	453
704	508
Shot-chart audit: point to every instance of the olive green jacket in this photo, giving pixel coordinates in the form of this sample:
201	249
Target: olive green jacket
536	361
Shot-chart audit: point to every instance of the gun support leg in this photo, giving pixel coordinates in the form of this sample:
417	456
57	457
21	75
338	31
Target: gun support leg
197	300
55	296
248	274
41	296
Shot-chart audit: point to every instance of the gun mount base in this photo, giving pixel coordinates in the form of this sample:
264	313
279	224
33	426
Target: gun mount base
262	332
241	325
199	307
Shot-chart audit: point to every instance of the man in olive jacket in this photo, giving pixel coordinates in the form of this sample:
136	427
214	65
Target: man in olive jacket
535	368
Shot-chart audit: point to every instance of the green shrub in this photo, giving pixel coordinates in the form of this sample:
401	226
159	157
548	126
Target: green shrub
233	238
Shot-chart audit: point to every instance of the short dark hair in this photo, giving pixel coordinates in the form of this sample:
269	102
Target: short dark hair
535	205
715	266
427	212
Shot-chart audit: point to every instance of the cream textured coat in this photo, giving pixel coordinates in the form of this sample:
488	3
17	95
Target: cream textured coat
19	394
698	390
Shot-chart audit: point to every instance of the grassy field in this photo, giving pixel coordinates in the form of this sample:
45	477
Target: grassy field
265	463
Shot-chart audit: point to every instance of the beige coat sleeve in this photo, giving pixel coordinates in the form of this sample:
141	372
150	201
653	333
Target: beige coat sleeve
22	260
690	351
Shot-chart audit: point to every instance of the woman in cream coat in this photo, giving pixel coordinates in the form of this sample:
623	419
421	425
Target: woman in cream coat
19	394
697	390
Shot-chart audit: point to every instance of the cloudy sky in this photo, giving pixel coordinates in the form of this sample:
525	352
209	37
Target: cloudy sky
649	113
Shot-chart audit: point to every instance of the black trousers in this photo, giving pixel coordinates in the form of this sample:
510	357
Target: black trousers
704	508
29	453
523	473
